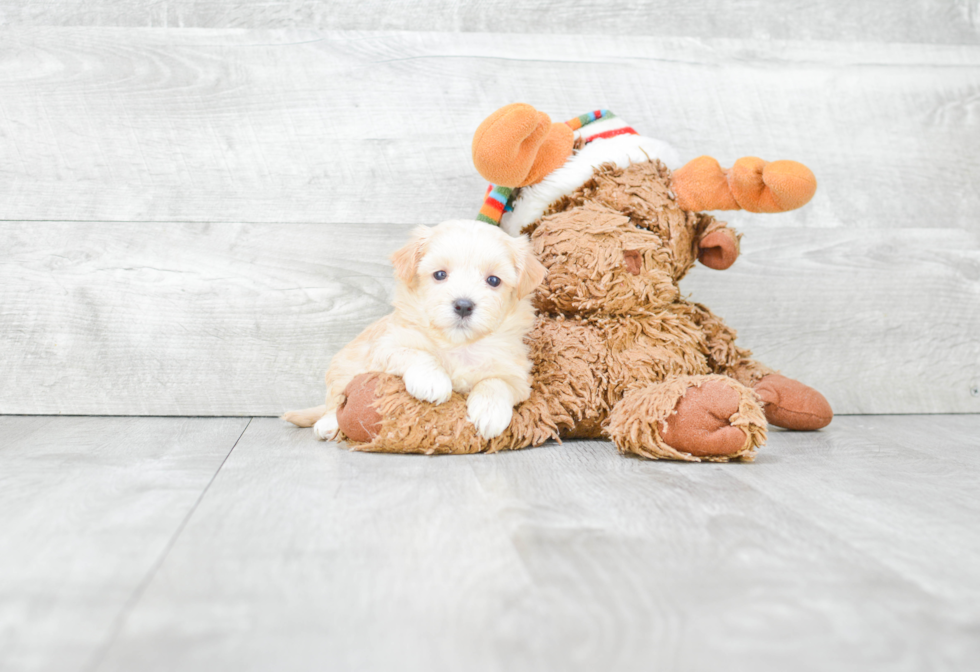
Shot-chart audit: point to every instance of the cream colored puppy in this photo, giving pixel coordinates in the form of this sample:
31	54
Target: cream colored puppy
462	307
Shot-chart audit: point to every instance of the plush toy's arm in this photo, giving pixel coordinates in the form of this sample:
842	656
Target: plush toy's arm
719	248
751	184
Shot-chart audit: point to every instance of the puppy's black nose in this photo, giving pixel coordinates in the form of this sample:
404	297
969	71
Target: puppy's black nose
463	307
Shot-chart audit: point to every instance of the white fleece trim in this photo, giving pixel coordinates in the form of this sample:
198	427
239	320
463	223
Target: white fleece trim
622	150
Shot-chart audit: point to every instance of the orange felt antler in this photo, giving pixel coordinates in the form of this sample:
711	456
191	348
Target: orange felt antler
751	184
517	145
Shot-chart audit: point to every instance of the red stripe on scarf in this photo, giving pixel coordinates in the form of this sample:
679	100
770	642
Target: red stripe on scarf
611	134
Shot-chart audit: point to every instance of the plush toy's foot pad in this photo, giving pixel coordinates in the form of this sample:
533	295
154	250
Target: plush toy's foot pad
358	417
700	424
790	404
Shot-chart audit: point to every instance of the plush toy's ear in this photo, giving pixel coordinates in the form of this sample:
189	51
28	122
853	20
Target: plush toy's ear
530	271
517	146
406	260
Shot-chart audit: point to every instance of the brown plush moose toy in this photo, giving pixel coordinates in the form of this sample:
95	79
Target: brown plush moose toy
617	352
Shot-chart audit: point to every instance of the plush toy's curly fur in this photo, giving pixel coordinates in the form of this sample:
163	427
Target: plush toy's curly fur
616	350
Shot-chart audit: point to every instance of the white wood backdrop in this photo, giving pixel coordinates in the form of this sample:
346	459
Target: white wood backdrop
195	219
938	21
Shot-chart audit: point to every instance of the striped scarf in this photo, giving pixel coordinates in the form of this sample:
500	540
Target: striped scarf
499	200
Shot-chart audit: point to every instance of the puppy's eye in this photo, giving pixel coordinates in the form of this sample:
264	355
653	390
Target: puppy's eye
493	281
440	275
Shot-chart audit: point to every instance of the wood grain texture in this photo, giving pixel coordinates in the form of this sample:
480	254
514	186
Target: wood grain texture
893	514
89	507
236	319
182	319
847	549
334	143
937	21
840	308
290	125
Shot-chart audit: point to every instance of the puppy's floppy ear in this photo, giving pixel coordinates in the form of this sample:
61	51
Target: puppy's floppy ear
406	260
530	271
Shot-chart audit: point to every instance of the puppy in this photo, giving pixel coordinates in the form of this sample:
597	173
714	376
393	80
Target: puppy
461	309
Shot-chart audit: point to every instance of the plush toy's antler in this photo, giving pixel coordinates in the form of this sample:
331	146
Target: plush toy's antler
751	184
517	145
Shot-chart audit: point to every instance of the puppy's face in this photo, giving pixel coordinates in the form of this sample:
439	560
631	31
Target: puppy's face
465	277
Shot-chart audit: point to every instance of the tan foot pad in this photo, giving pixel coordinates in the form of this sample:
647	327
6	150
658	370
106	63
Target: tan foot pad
790	404
700	423
357	417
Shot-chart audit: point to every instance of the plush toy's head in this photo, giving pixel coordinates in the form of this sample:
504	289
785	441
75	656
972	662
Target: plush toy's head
614	226
620	244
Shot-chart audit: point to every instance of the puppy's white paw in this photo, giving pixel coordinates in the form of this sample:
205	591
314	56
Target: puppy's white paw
428	384
326	428
490	415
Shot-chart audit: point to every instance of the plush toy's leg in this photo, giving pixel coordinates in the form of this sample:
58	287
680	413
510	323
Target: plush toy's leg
379	415
724	356
566	392
691	418
745	370
787	403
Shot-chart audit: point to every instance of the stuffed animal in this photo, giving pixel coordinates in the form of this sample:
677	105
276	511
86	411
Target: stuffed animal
617	352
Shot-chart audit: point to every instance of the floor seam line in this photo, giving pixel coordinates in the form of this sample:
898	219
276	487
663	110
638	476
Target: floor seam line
137	594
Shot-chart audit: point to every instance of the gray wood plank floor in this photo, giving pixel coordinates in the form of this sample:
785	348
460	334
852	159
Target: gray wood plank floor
186	544
88	507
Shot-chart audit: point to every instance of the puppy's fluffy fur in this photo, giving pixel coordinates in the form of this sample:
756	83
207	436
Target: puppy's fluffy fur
433	341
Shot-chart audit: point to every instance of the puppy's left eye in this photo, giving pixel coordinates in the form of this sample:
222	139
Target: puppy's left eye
493	281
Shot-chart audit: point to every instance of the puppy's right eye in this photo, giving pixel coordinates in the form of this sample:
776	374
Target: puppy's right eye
439	275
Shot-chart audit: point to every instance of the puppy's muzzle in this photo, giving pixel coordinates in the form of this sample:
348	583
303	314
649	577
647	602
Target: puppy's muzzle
464	307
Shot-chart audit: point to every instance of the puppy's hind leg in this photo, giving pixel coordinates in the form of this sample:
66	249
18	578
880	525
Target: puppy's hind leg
305	418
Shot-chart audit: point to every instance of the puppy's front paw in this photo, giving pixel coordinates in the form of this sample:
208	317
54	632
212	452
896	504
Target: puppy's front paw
490	415
326	428
428	384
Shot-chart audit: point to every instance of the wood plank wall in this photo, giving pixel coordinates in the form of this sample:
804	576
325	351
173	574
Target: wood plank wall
929	21
199	198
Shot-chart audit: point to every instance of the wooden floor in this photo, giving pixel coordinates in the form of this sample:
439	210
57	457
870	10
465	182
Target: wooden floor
241	544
